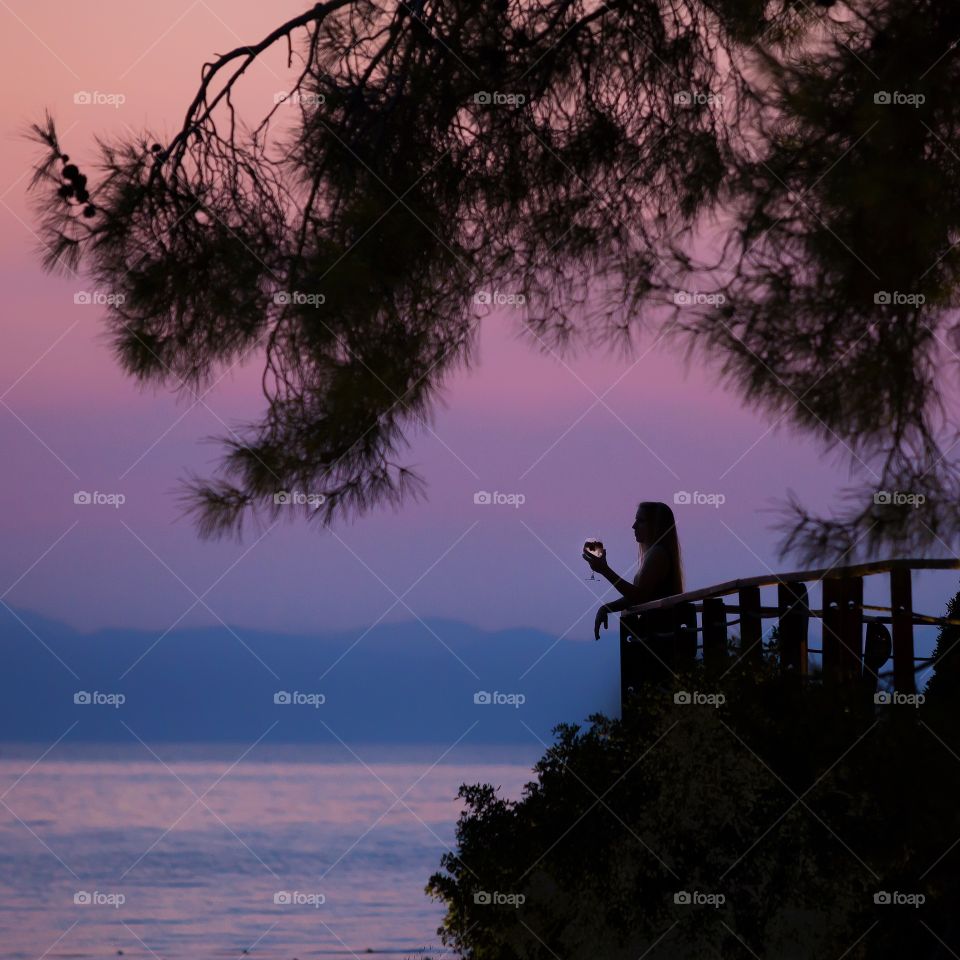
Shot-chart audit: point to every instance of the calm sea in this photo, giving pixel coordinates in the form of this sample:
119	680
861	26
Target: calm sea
206	852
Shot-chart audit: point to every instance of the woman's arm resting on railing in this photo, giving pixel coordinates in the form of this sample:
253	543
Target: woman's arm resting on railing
655	565
614	606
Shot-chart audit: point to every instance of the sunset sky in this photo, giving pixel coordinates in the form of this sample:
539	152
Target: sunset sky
581	439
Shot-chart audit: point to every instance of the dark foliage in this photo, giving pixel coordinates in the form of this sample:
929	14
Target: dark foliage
774	183
796	807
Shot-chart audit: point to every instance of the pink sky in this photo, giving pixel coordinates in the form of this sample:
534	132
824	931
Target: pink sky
520	422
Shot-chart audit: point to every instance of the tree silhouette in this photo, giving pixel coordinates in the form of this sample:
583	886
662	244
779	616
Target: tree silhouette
944	684
772	184
789	813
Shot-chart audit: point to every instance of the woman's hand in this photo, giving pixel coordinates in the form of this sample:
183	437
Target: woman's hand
601	618
596	564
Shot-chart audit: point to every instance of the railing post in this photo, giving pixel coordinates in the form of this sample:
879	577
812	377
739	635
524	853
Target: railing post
713	619
842	628
631	654
832	603
751	626
659	649
794	620
901	600
684	647
851	629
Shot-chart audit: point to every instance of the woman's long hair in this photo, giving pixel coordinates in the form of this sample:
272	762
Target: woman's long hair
664	528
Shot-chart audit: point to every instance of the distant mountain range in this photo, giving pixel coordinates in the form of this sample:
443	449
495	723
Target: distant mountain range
408	682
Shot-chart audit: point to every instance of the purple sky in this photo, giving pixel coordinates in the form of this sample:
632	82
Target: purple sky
582	440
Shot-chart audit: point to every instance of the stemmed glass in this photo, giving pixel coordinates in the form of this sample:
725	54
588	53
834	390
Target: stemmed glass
595	546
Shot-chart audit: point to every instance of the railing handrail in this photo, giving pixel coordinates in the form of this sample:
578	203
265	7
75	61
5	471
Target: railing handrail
771	579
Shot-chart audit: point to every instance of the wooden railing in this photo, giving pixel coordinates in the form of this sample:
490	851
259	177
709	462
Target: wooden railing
660	638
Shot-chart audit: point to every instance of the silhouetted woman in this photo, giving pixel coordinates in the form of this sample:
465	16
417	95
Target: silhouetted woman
661	571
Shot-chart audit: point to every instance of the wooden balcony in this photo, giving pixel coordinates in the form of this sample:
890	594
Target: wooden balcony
661	638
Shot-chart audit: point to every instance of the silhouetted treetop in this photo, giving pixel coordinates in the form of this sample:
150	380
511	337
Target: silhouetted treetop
772	183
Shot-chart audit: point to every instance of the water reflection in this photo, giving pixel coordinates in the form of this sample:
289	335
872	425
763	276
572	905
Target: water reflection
284	854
